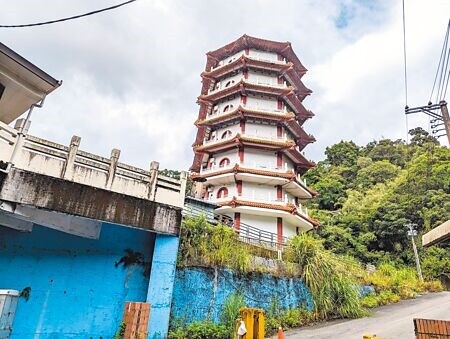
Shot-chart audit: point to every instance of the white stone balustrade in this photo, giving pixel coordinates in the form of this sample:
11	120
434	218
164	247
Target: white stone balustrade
70	163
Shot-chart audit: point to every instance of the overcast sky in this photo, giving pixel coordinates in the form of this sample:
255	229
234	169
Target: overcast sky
131	76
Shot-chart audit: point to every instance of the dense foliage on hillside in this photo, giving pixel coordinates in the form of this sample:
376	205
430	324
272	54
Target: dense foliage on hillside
367	194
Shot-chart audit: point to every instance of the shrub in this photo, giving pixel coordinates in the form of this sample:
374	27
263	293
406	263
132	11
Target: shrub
433	286
370	301
290	318
388	297
200	330
402	281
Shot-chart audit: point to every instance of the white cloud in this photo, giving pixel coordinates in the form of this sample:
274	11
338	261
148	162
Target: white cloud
131	76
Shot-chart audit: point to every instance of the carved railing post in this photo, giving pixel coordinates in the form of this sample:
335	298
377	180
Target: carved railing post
68	169
22	127
115	154
183	183
154	167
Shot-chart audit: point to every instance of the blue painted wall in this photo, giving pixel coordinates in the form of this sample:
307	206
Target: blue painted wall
194	299
76	290
161	284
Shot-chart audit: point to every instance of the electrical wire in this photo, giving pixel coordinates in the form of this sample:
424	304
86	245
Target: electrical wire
405	72
439	64
69	18
404	53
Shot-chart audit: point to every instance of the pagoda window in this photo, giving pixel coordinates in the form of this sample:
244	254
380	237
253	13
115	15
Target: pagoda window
228	107
224	162
222	193
226	134
231	82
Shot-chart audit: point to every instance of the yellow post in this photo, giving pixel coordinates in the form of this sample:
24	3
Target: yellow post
254	322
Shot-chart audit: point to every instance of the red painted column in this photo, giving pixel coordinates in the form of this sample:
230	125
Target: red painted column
279	160
280	231
239	187
279	131
243	100
241	155
245	74
280	104
237	221
242	125
279	193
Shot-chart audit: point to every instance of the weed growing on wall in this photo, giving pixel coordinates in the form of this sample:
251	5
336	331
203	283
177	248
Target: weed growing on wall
202	244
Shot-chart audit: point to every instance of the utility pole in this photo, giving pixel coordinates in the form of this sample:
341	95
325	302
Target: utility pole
412	233
432	110
445	119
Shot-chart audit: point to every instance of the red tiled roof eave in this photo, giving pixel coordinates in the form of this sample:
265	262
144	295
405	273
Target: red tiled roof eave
290	208
282	48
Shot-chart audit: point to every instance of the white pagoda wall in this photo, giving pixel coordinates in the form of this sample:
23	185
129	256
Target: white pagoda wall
267	131
253	53
233	129
262	78
262	103
233	101
287	163
230	58
222	83
232	155
260	192
231	192
289	230
259	159
264	223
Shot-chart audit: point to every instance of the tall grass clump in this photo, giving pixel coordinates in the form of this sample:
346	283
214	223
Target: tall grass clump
329	278
202	244
230	312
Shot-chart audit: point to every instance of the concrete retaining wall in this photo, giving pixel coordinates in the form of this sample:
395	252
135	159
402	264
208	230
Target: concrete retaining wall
200	293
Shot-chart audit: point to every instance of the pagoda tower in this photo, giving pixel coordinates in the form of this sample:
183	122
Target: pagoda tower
248	149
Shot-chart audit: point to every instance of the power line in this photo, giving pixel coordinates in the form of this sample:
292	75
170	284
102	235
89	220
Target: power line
69	18
404	53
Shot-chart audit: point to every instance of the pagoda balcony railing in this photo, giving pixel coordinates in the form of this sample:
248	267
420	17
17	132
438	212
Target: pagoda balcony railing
247	135
249	107
271	199
257	81
252	165
250	56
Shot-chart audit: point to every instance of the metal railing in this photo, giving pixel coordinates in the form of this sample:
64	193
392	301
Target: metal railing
247	233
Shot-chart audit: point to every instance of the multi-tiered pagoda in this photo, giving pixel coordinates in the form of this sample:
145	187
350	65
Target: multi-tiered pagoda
248	149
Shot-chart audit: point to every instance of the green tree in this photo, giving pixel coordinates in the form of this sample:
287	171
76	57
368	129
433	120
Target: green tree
344	153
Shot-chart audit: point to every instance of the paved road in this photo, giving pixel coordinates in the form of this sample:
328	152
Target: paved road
389	322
